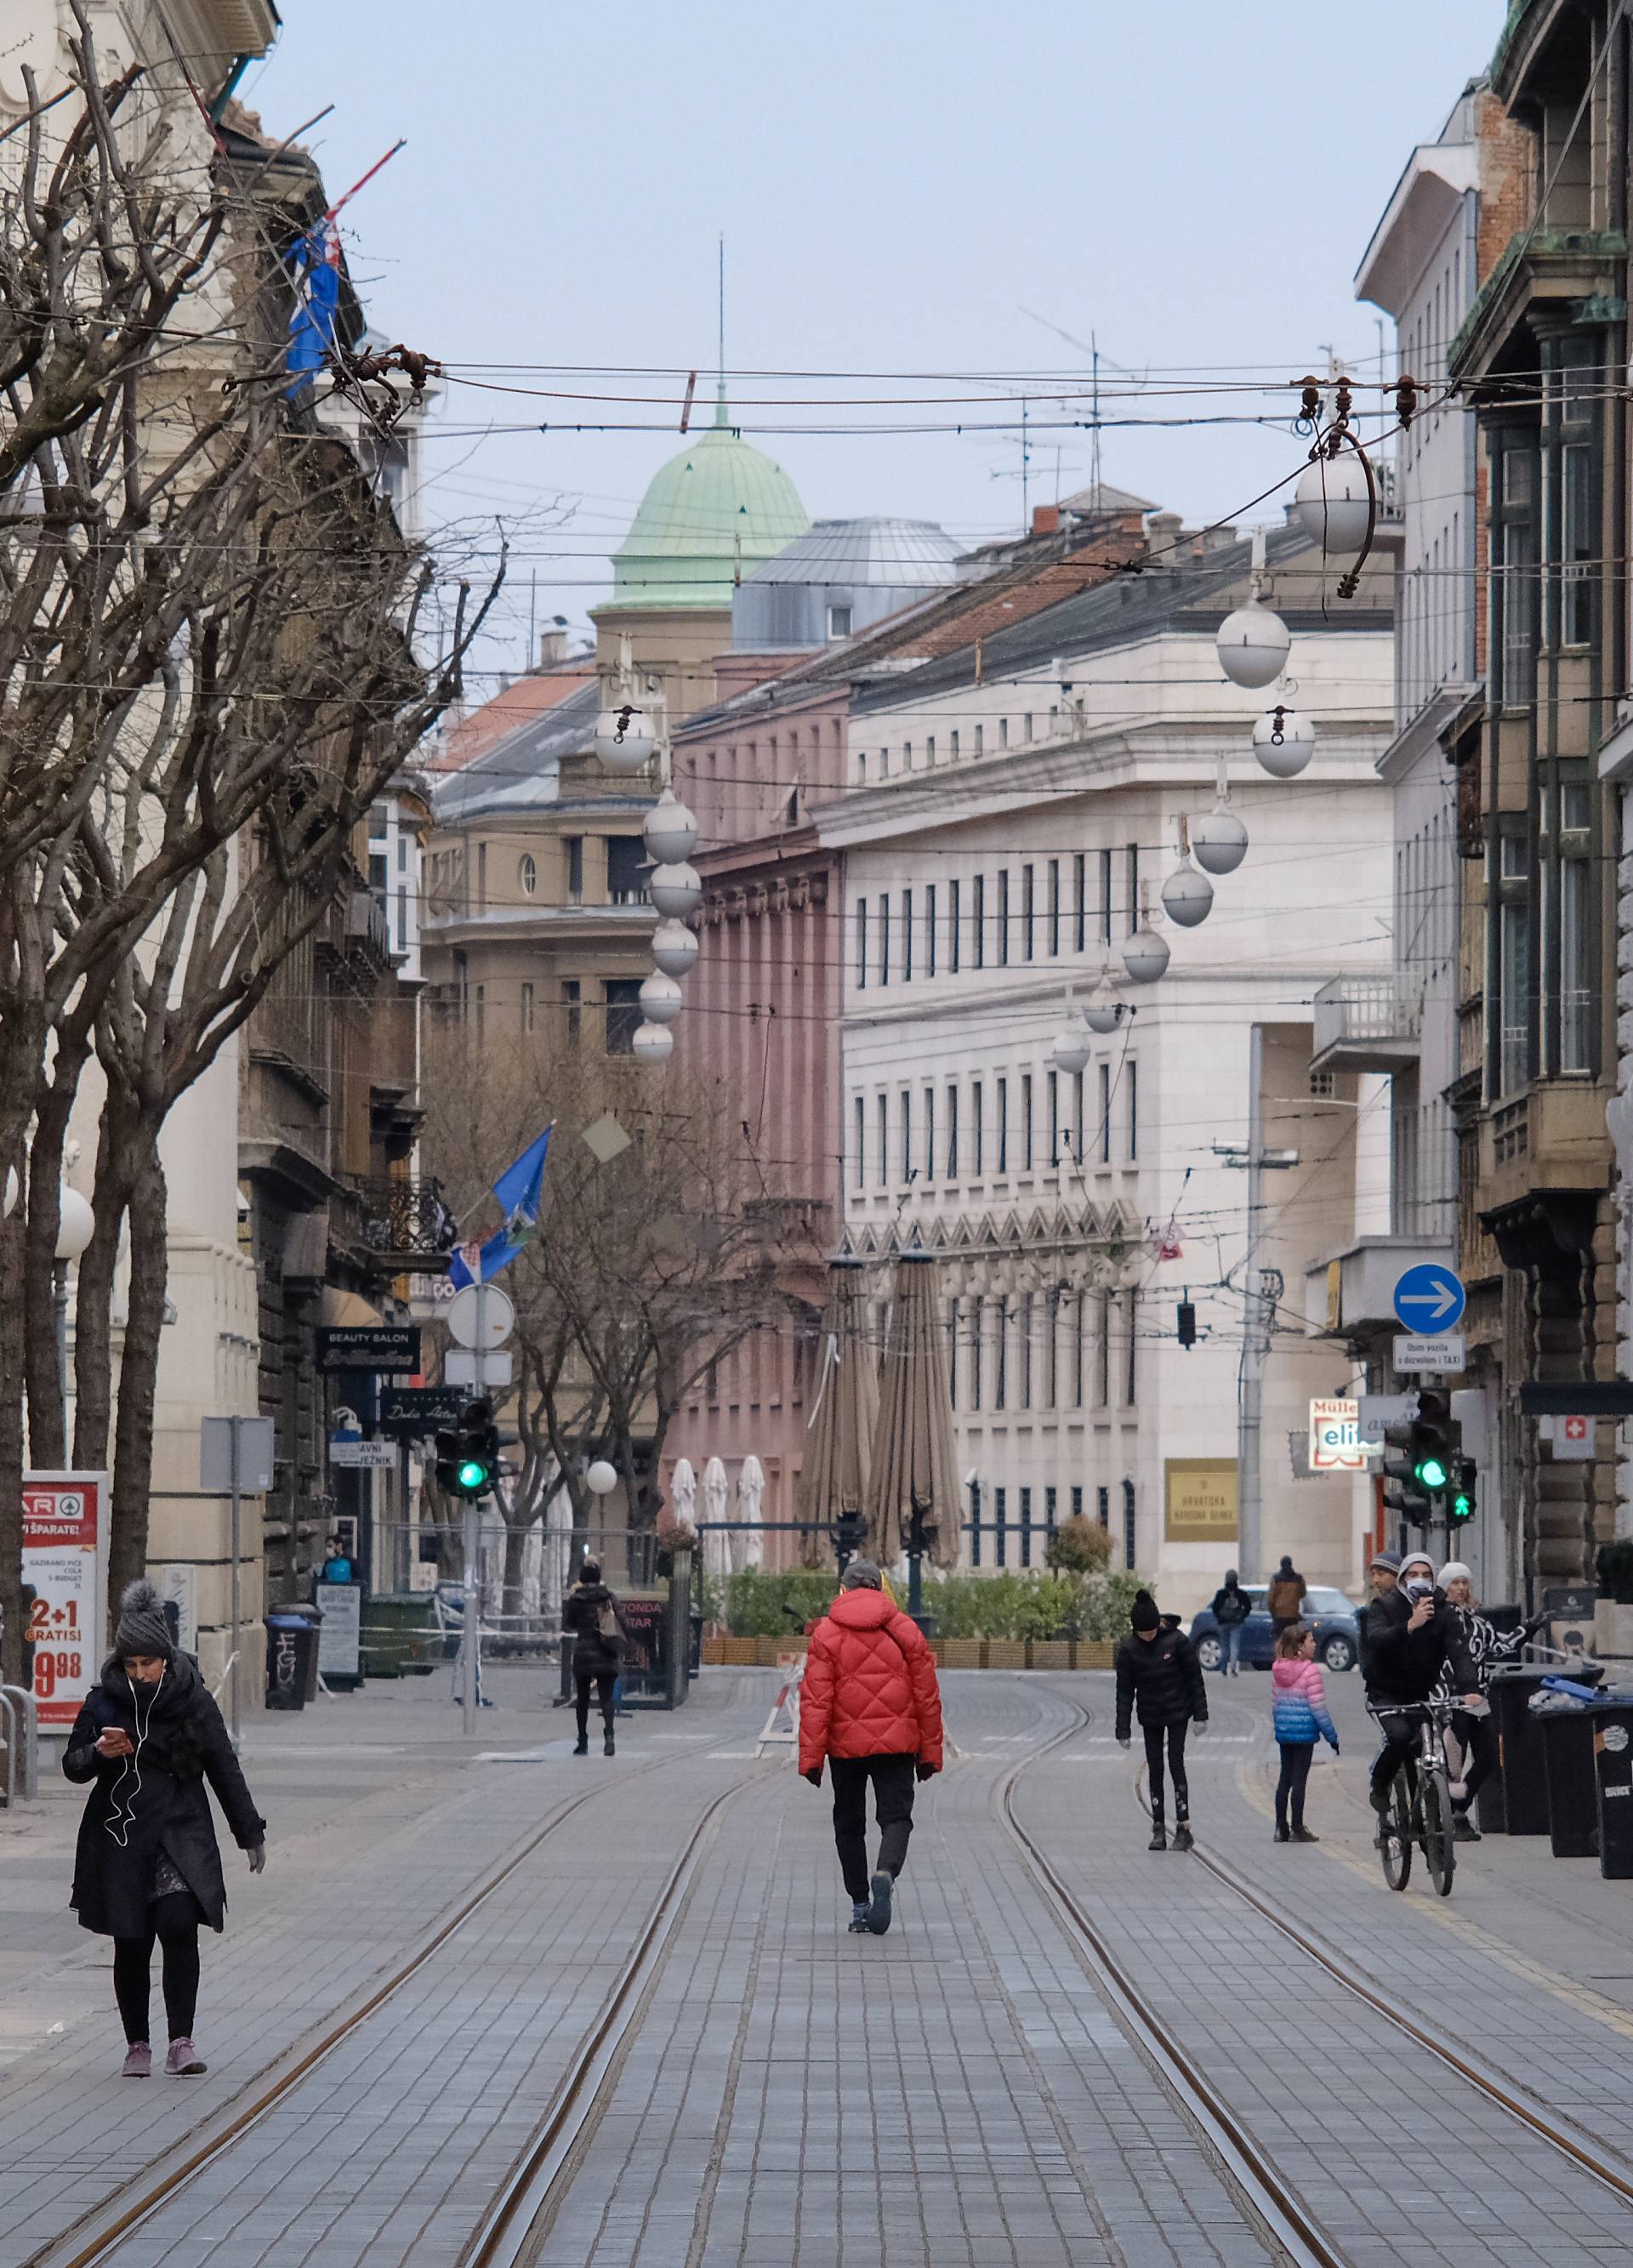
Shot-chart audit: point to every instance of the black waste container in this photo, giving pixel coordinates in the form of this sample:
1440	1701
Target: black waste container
1567	1762
1611	1723
1520	1786
291	1660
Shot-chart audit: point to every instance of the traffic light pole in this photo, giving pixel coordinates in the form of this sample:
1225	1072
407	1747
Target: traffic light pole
1255	1313
470	1622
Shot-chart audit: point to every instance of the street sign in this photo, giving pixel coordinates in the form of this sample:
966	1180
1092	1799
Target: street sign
495	1309
1430	1300
217	1450
415	1409
1571	1437
1374	1411
368	1346
464	1367
1442	1357
371	1457
65	1566
1334	1436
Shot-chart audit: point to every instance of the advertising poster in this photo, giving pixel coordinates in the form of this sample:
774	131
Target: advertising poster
65	1566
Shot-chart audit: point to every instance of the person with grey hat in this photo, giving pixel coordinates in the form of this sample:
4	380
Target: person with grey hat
1384	1573
148	1867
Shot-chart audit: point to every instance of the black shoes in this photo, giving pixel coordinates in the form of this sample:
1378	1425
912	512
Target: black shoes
1302	1835
1182	1836
583	1748
1464	1829
879	1910
1282	1835
1159	1839
608	1747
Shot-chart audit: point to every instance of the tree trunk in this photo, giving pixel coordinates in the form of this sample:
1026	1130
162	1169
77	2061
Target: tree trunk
93	1303
515	1548
47	1415
11	1451
138	1368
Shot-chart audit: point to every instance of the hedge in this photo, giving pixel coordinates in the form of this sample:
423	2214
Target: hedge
1027	1603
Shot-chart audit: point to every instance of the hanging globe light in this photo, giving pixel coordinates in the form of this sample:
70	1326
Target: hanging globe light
670	831
673	948
1253	645
1334	503
660	999
653	1044
1104	1013
1073	1045
1218	839
625	739
601	1478
1284	742
1145	956
1187	896
676	891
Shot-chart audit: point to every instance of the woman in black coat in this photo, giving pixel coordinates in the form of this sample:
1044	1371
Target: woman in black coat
590	1613
147	1865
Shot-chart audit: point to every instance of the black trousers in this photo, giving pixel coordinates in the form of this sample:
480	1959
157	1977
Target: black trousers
1401	1747
1176	1766
1289	1789
175	1923
893	1785
603	1681
1477	1737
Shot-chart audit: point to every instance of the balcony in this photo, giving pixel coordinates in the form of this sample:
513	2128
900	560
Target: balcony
405	1223
1365	1023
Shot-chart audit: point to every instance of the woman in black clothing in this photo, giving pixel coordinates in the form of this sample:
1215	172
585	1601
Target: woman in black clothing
590	1612
1158	1674
147	1866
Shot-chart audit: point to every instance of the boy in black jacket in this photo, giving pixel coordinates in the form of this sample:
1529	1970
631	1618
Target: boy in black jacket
1160	1674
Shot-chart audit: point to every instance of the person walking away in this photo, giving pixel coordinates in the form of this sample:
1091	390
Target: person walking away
1159	1678
1474	1730
1231	1607
1286	1599
1300	1716
147	1866
870	1708
590	1612
1412	1637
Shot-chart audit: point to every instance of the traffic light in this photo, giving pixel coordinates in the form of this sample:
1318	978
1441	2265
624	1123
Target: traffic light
1186	1324
1404	1494
1461	1510
468	1452
1434	1446
1421	1463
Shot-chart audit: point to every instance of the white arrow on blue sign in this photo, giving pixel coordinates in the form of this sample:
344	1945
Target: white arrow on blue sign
1430	1300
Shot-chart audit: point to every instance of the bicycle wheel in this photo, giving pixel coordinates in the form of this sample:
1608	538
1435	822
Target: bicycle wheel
1437	1846
1395	1835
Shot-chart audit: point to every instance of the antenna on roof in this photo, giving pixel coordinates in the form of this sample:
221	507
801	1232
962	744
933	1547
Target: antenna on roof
720	398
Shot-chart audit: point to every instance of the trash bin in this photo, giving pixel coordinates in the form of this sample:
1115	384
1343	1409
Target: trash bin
1613	1790
1520	1786
1567	1767
291	1660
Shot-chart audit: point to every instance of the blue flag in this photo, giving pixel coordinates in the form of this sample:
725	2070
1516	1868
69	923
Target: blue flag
519	1189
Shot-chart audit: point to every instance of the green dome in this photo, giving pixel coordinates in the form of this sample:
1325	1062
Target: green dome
708	518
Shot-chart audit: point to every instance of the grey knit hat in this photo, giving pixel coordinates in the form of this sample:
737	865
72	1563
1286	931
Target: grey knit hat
861	1575
141	1627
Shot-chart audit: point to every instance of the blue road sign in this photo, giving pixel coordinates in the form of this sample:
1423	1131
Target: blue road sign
1430	1300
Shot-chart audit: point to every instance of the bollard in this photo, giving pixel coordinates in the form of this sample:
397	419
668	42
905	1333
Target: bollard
22	1773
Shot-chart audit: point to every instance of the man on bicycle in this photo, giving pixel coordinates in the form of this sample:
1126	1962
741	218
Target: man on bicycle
1411	1636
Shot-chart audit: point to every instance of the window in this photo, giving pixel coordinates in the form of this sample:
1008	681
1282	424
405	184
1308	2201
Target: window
1129	1536
883	1152
572	992
1514	558
859	1171
1026	1122
929	750
378	874
1000	1530
907	1135
907	755
1575	513
978	1324
1105	896
624	1016
953	1307
861	945
978	924
1026	727
839	622
1131	1074
1054	909
1102	1353
482	1013
481	877
1026	1527
952	927
929	930
1003	918
1103	1507
575	870
1105	1114
1132	858
1024	1382
1052	1375
884	941
526	1008
929	1133
980	739
626	878
1077	1352
1003	732
1510	1034
1028	911
952	745
1576	933
976	1164
906	937
1054	1117
1077	1504
527	874
1080	902
952	1129
1002	1099
1000	1363
1077	1117
1131	1348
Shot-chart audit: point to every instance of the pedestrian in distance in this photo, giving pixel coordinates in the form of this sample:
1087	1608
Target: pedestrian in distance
1472	1729
1300	1717
870	1708
1160	1679
148	1867
1286	1599
590	1612
1231	1607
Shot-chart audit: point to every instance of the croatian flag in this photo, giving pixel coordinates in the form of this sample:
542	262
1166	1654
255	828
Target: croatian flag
519	1189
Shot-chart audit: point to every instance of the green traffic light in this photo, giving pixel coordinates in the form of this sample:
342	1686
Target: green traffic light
473	1476
1462	1508
1432	1472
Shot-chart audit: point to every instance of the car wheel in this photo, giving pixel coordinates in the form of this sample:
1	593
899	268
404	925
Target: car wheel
1211	1653
1339	1653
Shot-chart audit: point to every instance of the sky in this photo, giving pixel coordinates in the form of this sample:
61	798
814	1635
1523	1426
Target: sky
903	191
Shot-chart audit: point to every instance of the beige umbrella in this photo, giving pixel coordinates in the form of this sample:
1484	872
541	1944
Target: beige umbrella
838	1441
914	1459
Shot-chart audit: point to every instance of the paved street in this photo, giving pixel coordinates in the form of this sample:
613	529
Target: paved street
960	2092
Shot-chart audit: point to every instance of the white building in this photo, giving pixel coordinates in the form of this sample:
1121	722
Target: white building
1012	815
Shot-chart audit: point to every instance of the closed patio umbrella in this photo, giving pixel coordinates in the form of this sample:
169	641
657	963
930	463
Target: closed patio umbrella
913	1494
838	1441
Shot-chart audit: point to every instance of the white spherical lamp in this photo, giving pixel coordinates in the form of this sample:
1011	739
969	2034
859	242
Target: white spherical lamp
1104	1014
1187	896
76	1225
671	830
1218	840
660	999
673	948
653	1044
601	1478
1145	956
1284	742
1073	1046
1252	645
1333	503
675	890
625	739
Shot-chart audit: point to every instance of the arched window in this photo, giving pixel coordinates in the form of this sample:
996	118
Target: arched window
527	874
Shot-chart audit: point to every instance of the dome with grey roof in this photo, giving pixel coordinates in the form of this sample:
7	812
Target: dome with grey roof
840	577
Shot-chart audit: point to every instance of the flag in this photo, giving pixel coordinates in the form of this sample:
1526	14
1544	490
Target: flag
519	1189
316	258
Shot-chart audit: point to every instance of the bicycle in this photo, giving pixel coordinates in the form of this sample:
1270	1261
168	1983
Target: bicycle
1420	1801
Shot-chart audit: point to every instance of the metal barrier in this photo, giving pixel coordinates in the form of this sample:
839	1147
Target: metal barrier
22	1745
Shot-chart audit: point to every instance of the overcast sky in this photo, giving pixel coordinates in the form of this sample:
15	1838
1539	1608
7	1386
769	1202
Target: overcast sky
1192	182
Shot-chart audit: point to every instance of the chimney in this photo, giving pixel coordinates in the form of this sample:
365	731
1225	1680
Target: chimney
553	645
1046	519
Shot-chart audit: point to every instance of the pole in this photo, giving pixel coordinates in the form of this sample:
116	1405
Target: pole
470	1636
1251	1387
235	1423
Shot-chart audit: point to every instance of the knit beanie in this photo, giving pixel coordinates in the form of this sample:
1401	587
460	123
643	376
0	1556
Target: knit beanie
141	1627
1455	1571
1389	1559
860	1575
1417	1559
1143	1615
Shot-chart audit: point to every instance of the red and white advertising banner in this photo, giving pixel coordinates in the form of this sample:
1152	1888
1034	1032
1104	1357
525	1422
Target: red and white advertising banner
65	1566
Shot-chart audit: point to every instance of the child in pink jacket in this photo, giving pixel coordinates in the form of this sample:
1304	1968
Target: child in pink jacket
1300	1715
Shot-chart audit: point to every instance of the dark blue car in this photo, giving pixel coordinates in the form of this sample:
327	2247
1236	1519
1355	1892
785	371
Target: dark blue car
1338	1633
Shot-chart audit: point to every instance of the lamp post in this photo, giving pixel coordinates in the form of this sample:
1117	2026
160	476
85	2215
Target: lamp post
76	1225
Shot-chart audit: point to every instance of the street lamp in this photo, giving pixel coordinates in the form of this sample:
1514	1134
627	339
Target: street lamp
673	948
1283	742
1188	896
76	1225
675	889
1145	956
1218	839
625	739
1253	643
1073	1042
670	831
660	999
653	1044
601	1477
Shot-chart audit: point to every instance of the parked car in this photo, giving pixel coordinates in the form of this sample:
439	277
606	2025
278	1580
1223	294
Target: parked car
1337	1629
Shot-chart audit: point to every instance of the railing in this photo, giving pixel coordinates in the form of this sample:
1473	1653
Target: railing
407	1219
22	1744
1357	1009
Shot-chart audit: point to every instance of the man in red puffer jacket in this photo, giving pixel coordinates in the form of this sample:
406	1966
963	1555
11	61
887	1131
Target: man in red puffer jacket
871	1706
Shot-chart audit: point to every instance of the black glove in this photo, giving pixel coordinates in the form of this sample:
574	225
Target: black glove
923	1771
814	1775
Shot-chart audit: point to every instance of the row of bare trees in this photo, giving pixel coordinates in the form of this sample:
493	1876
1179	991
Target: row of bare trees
210	633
